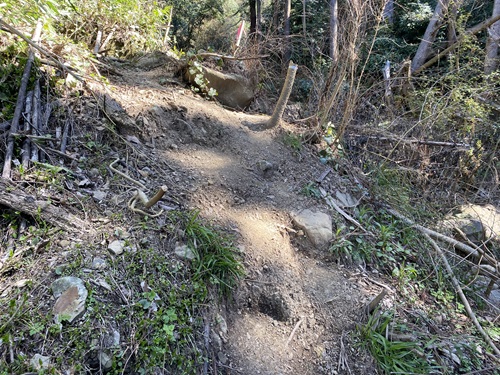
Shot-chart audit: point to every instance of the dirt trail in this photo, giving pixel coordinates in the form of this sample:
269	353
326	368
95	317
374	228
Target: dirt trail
290	312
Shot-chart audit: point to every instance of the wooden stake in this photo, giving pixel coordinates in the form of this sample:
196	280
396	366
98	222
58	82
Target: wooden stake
285	94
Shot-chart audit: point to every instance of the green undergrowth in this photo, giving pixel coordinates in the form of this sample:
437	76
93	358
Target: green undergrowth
407	338
158	303
393	356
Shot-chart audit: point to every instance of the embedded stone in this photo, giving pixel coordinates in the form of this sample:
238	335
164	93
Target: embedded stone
316	225
71	295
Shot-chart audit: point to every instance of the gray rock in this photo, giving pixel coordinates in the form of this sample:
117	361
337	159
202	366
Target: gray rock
99	195
99	264
40	362
316	225
480	223
111	339
71	295
233	90
105	360
116	247
345	199
184	252
264	165
473	229
494	297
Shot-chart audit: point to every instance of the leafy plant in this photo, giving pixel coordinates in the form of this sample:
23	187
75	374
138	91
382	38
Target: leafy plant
392	357
202	85
293	141
217	259
311	190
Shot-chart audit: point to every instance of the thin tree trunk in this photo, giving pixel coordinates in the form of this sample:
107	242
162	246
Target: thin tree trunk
304	9
36	119
258	19
424	49
288	44
471	31
492	59
276	11
389	11
334	49
25	157
253	17
452	21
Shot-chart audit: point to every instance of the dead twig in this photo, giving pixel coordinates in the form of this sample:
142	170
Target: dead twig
52	56
290	338
331	202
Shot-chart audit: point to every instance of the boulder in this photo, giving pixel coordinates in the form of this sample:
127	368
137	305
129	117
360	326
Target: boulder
478	223
71	295
316	225
233	90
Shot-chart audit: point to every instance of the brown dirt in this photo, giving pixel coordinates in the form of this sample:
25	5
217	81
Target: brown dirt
292	310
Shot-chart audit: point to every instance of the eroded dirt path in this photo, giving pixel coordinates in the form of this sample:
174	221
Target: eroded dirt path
291	311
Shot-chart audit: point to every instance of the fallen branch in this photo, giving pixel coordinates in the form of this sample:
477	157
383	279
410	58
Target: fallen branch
476	252
226	57
18	200
413	141
454	280
67	69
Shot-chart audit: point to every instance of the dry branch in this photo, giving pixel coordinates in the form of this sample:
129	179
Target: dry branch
476	252
473	30
20	103
227	57
426	232
52	56
413	141
18	200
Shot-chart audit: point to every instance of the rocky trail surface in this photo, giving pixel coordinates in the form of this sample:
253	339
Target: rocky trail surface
291	313
294	309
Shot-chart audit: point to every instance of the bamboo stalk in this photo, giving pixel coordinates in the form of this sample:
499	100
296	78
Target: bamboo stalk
26	150
7	167
36	120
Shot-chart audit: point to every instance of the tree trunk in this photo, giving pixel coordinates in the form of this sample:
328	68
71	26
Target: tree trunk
389	11
304	9
334	49
452	21
258	18
435	23
253	18
288	44
276	12
492	59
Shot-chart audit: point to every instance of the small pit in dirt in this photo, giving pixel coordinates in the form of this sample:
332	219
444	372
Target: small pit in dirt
274	306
